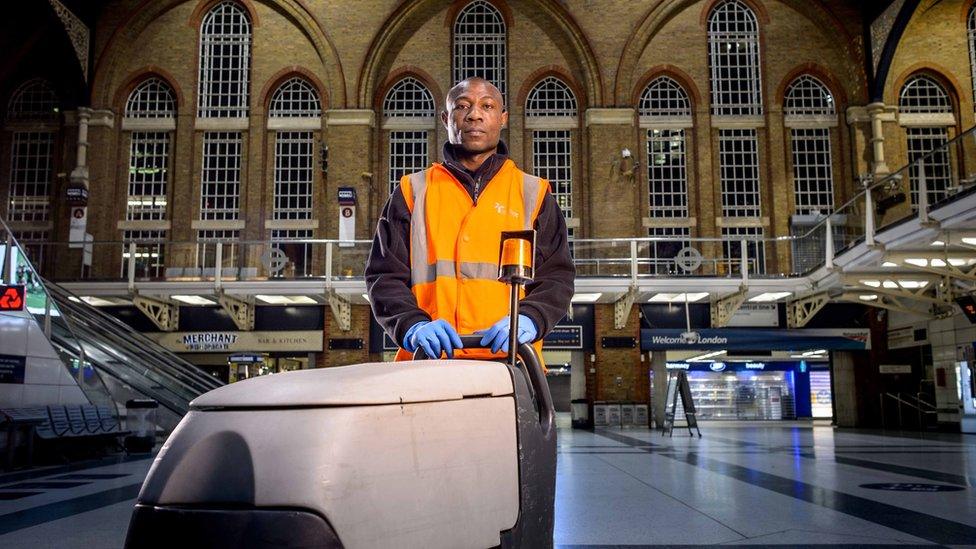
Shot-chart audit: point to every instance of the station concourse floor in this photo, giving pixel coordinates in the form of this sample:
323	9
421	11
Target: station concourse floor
754	484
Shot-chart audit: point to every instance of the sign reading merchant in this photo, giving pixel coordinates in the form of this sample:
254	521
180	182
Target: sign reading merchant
218	342
846	339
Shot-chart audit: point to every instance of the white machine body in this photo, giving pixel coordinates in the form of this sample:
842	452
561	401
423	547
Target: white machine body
409	454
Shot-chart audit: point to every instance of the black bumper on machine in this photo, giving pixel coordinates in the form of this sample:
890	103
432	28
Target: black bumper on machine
189	527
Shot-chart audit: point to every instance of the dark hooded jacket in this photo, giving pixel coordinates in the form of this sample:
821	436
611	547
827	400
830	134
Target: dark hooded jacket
395	307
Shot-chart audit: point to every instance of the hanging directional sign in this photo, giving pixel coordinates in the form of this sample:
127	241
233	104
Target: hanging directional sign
12	298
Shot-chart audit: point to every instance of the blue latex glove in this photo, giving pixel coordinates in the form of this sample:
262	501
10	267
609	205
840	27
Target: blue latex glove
434	337
497	334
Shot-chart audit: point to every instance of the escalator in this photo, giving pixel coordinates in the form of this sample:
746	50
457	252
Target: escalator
110	361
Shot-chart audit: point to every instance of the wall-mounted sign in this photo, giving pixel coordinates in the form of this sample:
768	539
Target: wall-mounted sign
76	194
347	216
77	226
563	337
755	315
13	298
246	358
345	343
844	339
12	369
239	342
618	342
895	368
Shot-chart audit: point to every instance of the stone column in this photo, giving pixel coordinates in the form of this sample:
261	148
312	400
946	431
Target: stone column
349	138
844	389
659	361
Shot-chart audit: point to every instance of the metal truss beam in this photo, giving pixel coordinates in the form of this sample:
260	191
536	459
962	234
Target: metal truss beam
341	310
800	311
165	315
725	307
945	263
621	307
240	311
884	302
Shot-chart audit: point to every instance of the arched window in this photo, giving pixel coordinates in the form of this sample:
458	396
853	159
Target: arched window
31	160
928	99
550	111
665	114
33	100
971	28
151	99
550	97
810	116
408	98
807	96
922	94
225	59
409	108
480	45
733	55
664	97
297	111
296	97
150	113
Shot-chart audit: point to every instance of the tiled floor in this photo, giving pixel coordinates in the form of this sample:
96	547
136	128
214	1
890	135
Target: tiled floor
743	484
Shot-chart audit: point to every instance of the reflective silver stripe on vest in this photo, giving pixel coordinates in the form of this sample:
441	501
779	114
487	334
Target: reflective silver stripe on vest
429	273
420	271
530	197
470	269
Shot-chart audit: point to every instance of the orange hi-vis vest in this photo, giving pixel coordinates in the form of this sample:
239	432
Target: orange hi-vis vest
454	245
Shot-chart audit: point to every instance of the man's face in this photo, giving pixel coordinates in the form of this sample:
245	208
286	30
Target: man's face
475	117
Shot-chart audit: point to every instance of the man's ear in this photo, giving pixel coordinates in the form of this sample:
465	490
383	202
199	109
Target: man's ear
444	118
505	119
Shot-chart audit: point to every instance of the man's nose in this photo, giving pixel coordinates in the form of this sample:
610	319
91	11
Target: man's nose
474	113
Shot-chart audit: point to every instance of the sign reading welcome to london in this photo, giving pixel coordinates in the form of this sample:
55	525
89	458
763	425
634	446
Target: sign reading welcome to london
854	339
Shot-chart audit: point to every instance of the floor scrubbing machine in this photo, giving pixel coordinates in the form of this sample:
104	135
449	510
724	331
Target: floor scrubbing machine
425	453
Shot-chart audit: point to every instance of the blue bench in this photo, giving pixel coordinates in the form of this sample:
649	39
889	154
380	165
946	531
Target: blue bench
58	424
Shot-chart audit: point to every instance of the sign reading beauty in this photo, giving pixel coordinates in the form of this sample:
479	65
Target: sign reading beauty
12	298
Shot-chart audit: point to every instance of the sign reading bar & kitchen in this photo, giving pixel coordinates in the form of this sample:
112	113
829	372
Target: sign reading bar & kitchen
219	342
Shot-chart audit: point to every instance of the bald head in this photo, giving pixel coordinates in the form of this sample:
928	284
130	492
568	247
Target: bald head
474	116
463	86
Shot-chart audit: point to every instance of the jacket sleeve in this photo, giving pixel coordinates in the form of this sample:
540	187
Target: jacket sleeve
388	271
549	295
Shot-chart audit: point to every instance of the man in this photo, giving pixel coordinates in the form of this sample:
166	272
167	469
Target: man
431	273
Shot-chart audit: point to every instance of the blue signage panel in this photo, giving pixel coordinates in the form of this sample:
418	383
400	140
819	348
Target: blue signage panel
564	337
854	339
12	369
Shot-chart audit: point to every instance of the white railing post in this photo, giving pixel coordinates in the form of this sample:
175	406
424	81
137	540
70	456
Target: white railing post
9	268
633	262
829	244
328	264
218	265
132	266
868	217
923	192
744	258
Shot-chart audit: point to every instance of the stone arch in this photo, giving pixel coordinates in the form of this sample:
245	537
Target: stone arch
661	13
137	77
282	76
819	72
411	14
940	74
111	61
674	73
557	72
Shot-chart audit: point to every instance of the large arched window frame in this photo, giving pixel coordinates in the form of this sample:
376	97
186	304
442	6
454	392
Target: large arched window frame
926	112
225	62
734	60
409	124
665	115
480	45
971	34
32	116
294	115
810	116
149	120
551	115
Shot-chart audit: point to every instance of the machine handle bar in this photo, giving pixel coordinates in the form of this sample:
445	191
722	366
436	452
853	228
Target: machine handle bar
533	371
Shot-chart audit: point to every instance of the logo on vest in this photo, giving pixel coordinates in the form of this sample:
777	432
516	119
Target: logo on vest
501	209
